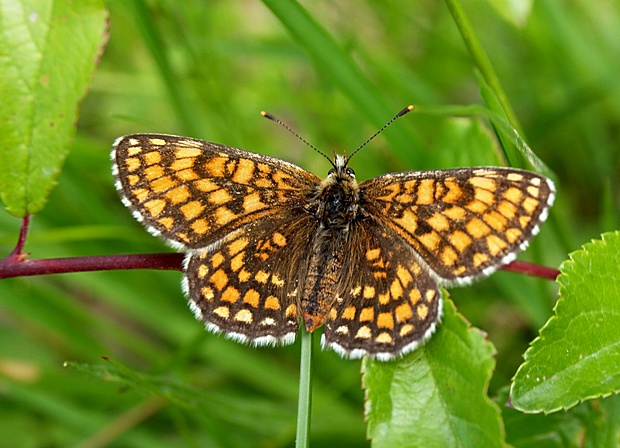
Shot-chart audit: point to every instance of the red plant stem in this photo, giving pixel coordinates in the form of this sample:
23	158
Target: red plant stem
536	270
16	267
10	267
18	254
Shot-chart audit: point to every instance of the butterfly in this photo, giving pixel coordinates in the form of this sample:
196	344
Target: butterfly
270	245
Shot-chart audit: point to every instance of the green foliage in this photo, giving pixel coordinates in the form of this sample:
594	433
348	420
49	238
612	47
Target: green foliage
49	51
210	405
437	395
335	72
577	355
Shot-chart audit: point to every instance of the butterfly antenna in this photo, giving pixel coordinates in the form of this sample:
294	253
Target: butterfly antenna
405	111
285	126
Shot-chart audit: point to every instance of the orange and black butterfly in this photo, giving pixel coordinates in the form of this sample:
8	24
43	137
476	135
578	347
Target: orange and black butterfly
270	245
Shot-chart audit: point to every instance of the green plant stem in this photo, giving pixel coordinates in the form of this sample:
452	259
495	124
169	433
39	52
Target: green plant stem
482	60
304	404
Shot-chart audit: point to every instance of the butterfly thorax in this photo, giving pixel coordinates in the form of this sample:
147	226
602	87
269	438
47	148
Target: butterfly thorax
335	206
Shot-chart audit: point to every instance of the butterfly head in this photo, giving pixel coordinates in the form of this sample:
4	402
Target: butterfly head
341	171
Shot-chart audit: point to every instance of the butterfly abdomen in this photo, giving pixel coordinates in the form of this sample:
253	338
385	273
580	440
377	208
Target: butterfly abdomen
335	207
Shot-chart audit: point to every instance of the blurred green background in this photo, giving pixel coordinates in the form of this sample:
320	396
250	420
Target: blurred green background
206	70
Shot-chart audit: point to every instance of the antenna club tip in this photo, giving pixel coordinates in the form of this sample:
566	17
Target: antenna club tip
405	111
263	113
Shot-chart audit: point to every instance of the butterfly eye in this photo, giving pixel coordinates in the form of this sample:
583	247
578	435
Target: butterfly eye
330	172
350	172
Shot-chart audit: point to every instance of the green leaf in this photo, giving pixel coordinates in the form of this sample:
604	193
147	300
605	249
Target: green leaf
48	53
436	396
577	355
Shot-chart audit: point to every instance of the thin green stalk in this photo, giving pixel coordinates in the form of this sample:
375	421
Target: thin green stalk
482	60
304	404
